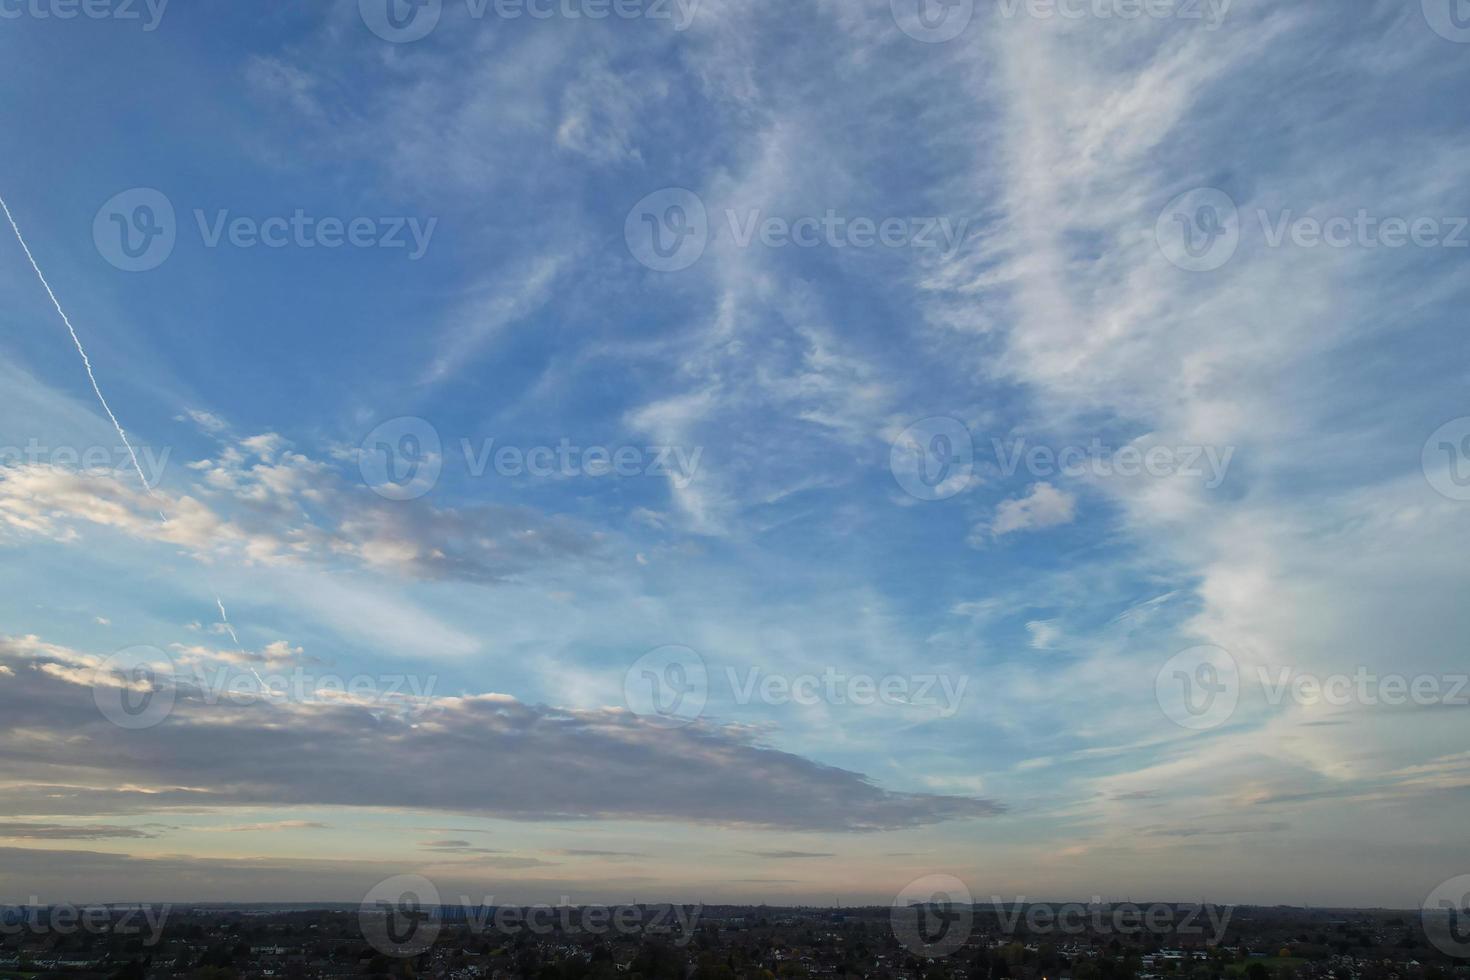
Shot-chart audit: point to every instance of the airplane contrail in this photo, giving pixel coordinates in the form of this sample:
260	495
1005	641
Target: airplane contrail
87	363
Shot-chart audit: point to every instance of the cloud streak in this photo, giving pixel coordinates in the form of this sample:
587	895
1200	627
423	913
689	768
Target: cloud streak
487	755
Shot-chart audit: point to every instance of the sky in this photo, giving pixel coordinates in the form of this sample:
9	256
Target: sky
735	450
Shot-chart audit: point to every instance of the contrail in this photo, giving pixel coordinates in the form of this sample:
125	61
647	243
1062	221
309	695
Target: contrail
86	361
224	618
121	434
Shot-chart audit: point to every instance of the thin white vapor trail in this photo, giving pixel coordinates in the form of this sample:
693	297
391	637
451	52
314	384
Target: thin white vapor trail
87	363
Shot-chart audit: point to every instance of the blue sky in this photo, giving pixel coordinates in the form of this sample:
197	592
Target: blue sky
785	507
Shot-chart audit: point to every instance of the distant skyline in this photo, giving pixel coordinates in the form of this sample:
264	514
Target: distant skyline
731	451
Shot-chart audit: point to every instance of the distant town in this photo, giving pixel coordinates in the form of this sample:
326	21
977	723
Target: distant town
994	941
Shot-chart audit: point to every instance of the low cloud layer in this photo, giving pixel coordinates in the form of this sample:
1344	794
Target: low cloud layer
17	830
488	755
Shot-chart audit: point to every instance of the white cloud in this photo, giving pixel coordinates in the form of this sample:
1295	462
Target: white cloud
207	421
262	504
1044	633
1043	506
